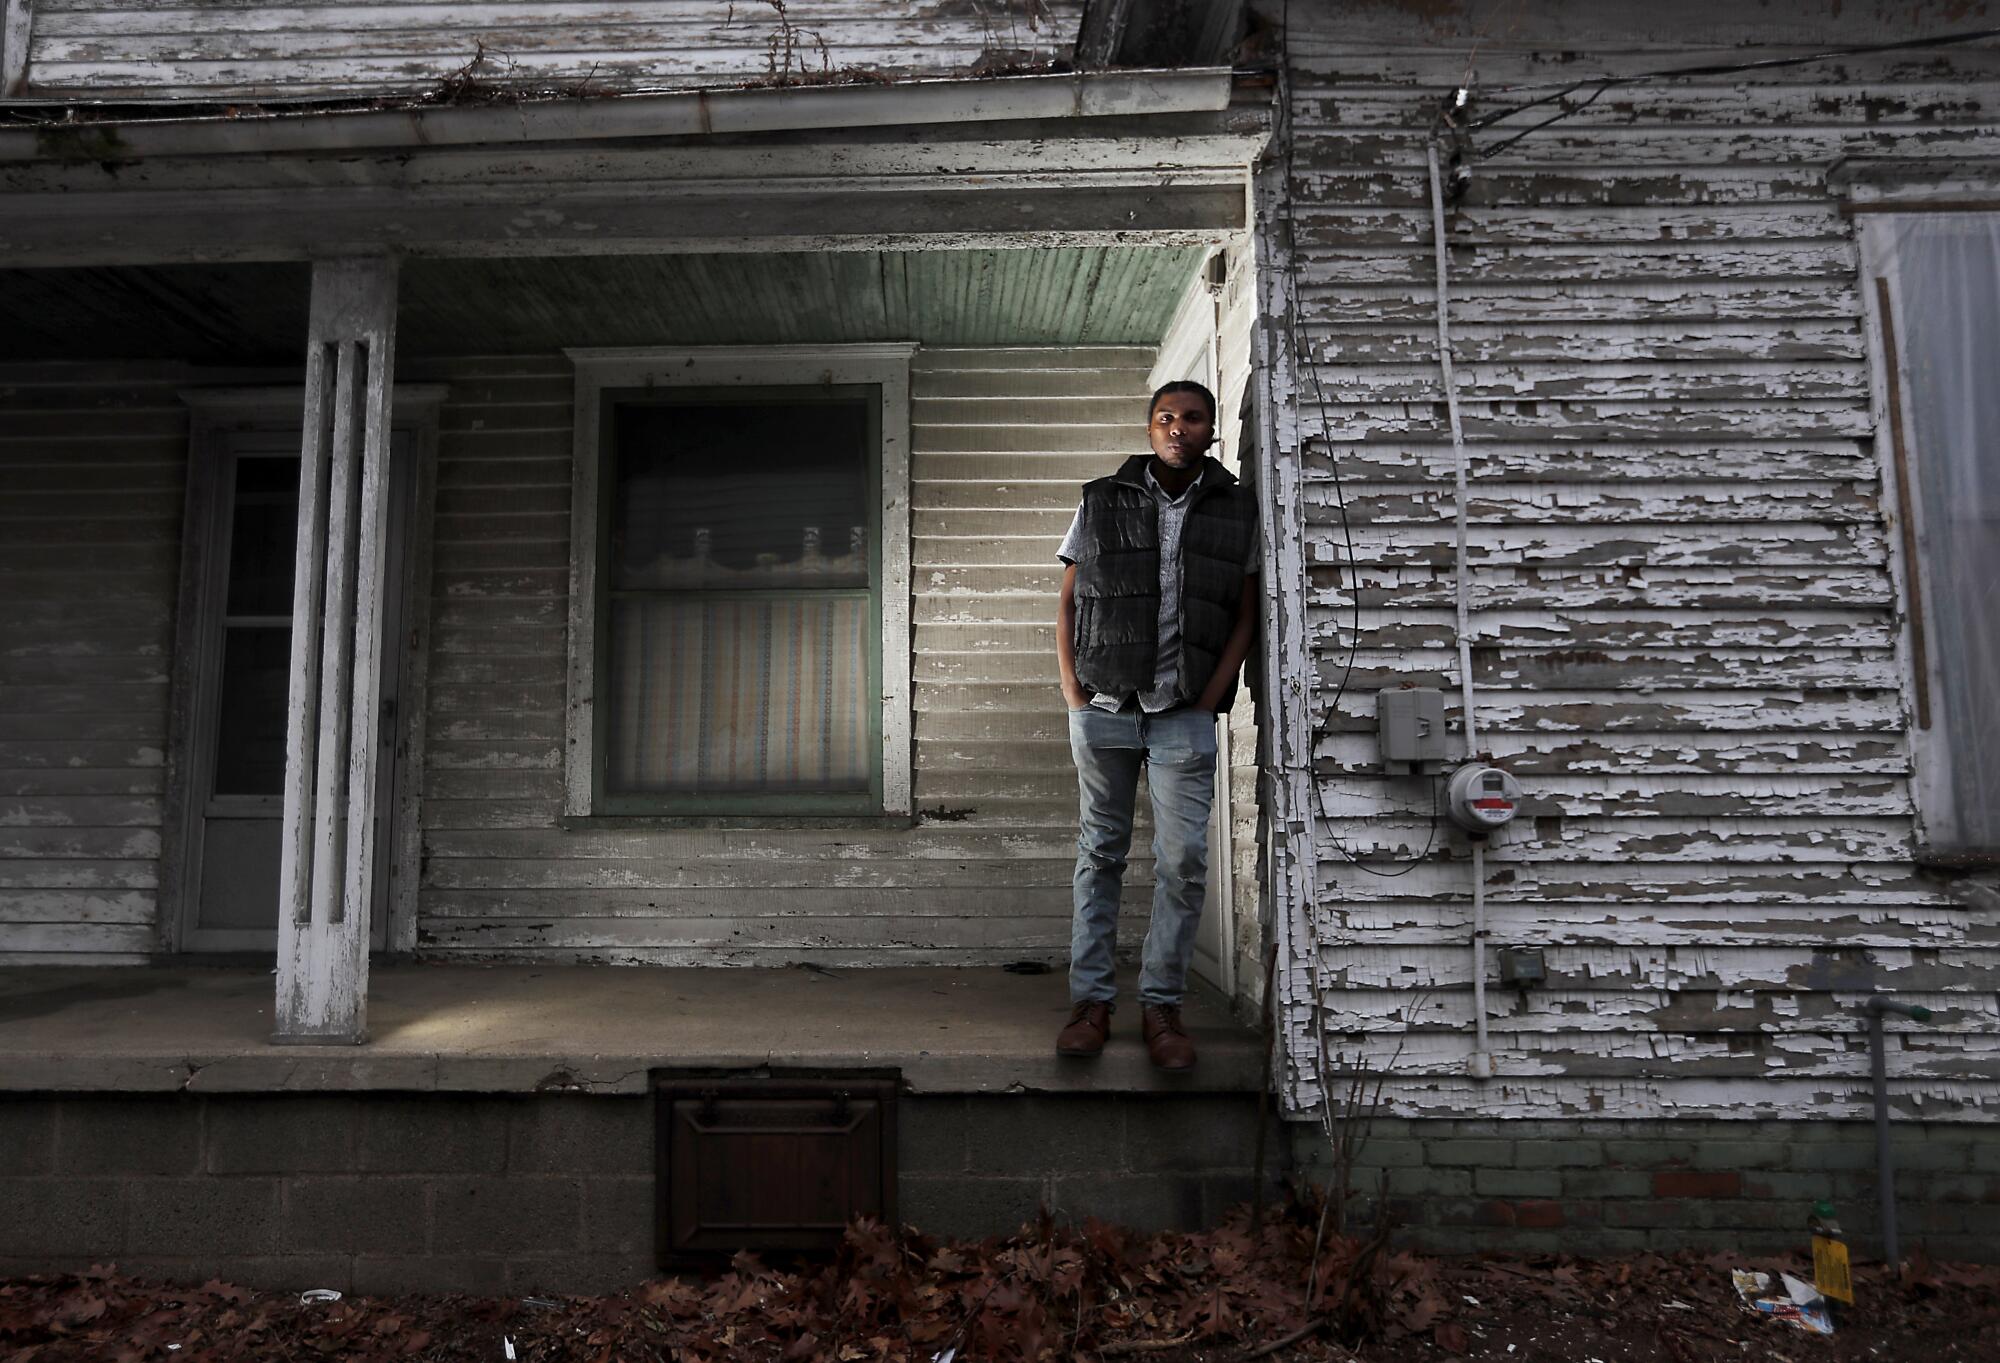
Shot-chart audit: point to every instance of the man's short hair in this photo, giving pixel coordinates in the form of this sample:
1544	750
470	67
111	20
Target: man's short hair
1181	386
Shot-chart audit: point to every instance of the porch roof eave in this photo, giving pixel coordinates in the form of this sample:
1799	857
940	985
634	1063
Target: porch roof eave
1085	159
161	131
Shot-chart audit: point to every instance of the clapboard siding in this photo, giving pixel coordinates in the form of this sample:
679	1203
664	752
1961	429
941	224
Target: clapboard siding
182	48
92	466
1001	441
1684	633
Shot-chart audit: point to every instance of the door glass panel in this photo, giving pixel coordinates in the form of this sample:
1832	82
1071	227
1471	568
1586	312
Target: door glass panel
264	528
257	635
250	729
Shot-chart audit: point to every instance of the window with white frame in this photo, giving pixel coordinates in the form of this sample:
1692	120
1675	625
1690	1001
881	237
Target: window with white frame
741	556
1932	286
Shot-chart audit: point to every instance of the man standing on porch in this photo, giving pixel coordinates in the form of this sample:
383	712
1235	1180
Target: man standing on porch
1155	618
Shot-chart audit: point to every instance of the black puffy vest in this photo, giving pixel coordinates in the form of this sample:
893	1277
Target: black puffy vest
1117	594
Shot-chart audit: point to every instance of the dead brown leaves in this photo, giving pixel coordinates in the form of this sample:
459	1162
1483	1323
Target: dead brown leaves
1049	1292
1046	1293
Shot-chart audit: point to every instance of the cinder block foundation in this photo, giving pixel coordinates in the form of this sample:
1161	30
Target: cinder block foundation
382	1192
978	1165
391	1192
368	1192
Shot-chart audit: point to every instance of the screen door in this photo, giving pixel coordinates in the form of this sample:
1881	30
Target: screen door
237	753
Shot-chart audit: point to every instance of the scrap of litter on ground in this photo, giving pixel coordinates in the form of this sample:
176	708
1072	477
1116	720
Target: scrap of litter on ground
1287	1290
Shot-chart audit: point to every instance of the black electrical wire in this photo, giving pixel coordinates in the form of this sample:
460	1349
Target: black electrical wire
1430	840
1602	83
1567	112
1731	68
1310	367
1459	132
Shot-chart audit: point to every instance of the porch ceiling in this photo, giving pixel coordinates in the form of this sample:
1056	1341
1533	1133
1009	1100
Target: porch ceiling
256	313
593	1028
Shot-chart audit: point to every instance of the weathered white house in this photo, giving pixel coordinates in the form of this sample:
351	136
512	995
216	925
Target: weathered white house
691	398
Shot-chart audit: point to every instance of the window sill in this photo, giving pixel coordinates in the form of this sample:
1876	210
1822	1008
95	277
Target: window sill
610	823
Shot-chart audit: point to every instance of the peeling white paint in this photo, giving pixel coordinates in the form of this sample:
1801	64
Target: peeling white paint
322	46
1685	631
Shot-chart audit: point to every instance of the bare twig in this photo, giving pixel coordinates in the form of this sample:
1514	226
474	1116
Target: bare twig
1349	1125
1119	1347
1319	1238
1310	1328
965	1323
458	82
1359	1273
1313	1326
789	40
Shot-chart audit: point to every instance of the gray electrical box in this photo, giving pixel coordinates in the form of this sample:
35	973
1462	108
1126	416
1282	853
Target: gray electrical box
1523	967
1411	721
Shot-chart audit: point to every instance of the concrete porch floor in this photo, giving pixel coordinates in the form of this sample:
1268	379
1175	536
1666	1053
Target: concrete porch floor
598	1029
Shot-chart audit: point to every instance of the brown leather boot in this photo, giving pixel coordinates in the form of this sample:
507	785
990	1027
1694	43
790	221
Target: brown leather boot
1089	1025
1167	1041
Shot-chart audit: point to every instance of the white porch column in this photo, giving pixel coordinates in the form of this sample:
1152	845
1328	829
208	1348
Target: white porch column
326	863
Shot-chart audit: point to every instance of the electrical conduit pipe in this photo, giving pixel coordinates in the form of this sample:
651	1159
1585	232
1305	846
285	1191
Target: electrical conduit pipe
1878	1066
1481	1064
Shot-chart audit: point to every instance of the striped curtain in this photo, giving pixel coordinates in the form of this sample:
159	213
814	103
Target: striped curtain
739	695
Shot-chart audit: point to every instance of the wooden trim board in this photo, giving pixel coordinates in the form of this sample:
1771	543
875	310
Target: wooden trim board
886	366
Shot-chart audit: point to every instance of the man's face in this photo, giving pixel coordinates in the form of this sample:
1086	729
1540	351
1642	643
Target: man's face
1181	429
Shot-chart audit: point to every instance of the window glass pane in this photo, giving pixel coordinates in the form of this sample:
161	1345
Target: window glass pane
724	495
250	733
264	528
724	695
1949	330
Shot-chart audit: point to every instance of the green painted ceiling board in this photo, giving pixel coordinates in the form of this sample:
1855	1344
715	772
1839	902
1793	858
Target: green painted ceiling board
1105	295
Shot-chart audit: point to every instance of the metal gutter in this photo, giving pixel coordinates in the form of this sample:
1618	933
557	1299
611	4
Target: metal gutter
684	113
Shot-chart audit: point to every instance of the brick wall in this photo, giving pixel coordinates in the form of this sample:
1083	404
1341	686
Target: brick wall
1609	1187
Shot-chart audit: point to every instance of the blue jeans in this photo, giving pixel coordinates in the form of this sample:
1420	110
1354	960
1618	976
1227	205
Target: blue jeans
1178	748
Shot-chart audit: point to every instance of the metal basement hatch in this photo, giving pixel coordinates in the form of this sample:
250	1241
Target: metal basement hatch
770	1164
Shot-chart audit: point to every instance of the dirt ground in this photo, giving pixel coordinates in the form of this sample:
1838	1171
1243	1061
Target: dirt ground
1054	1293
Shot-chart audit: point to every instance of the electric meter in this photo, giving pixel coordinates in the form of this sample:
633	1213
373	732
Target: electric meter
1481	798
